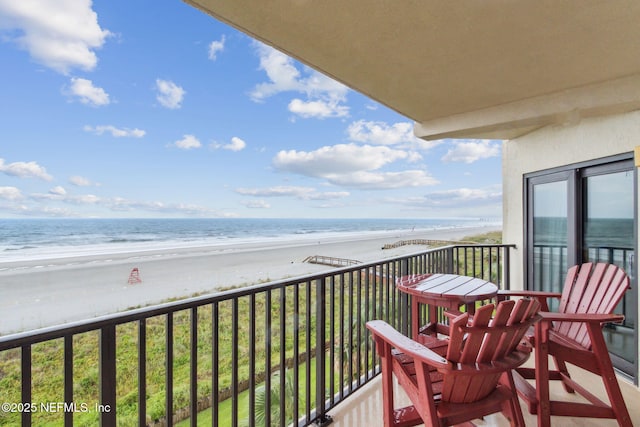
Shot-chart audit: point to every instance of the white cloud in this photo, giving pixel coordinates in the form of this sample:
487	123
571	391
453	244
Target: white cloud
121	204
352	165
384	180
471	151
323	93
80	181
381	133
35	204
304	193
256	204
170	95
88	93
336	159
10	193
115	132
281	71
328	195
188	142
61	34
460	197
236	144
319	109
25	170
216	47
58	190
278	191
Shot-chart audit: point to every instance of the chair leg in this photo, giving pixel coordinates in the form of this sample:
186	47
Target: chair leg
387	385
511	408
542	374
609	377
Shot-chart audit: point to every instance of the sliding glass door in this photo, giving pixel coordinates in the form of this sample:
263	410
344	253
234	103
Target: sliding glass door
585	213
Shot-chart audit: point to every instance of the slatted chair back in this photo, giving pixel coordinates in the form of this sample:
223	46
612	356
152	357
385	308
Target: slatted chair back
592	289
484	340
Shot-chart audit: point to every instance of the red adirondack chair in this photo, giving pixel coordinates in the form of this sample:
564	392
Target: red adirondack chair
473	380
574	335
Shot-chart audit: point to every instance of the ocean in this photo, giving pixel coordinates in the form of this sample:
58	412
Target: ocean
26	239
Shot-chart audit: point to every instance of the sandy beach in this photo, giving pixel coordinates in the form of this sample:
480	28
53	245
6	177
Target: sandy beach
47	292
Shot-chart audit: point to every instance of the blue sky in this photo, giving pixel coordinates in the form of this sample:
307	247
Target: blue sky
118	108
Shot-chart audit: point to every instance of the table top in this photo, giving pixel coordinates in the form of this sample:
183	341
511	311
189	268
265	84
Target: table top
447	287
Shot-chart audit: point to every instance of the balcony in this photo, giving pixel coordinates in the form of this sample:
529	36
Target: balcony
216	355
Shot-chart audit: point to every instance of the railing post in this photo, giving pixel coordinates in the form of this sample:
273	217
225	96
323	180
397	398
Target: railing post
107	406
322	419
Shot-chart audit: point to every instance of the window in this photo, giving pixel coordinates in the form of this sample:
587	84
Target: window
581	213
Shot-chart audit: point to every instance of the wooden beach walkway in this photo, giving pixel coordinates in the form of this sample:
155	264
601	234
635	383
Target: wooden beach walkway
332	261
427	242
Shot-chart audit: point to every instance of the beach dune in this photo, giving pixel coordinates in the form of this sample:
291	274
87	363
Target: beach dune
47	292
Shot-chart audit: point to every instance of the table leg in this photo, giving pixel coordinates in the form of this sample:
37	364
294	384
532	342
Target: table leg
415	319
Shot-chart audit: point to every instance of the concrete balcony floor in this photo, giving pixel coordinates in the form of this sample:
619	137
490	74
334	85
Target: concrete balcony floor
364	409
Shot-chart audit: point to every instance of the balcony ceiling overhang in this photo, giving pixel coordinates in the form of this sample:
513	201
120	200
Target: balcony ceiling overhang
463	69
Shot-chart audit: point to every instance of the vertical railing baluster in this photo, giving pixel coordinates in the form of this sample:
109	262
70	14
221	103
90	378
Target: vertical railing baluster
309	336
68	379
405	322
350	329
193	392
332	338
234	362
168	405
367	297
108	375
383	311
499	269
252	360
492	256
359	327
342	304
215	361
321	417
507	271
283	356
450	262
267	358
25	368
142	373
296	352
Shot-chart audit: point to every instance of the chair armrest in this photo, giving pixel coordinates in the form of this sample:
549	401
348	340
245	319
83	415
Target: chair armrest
532	294
387	333
541	296
581	317
452	314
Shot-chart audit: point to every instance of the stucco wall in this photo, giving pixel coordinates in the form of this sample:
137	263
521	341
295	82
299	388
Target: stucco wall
552	147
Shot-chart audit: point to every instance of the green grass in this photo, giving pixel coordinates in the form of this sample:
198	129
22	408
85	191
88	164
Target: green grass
491	238
225	407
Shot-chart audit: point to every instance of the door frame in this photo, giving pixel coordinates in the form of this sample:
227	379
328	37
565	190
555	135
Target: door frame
574	175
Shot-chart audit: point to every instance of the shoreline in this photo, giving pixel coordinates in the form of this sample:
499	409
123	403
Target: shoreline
46	292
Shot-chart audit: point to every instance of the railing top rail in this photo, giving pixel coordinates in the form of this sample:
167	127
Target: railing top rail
59	331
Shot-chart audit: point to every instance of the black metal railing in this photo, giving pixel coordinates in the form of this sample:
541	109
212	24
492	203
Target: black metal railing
280	353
